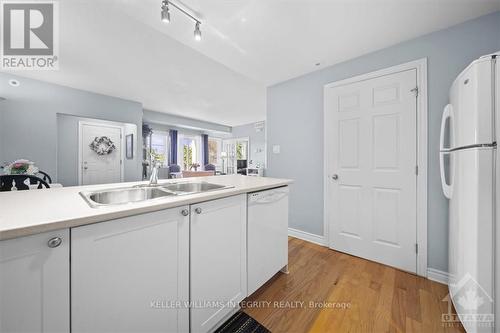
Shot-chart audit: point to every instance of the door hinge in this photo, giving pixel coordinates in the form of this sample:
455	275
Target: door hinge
121	161
415	91
416	170
416	247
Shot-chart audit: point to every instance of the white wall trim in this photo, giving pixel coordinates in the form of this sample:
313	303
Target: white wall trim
437	275
316	239
422	114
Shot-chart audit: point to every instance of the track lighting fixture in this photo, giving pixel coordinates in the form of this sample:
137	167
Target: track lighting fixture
165	13
197	31
165	17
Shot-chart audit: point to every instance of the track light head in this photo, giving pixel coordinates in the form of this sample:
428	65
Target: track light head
165	13
165	16
197	32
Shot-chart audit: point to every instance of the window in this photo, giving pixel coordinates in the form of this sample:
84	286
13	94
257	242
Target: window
241	150
214	149
159	147
189	151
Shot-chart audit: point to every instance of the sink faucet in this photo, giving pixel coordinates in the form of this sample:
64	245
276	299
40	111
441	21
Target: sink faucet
153	180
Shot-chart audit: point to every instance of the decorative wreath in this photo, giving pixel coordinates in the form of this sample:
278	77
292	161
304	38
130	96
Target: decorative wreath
102	145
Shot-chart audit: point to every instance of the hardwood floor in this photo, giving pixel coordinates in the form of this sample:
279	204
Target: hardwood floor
363	296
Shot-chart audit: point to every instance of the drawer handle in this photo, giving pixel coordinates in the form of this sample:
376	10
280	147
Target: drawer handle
54	242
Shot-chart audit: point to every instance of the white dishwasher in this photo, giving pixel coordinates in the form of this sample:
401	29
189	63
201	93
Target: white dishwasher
267	235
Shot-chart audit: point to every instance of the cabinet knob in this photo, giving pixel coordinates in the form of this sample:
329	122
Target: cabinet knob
335	177
54	242
185	212
198	210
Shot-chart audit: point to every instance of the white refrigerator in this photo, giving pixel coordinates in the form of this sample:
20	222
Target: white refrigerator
468	156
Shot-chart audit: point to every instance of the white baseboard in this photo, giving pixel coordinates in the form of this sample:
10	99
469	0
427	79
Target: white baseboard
437	275
316	239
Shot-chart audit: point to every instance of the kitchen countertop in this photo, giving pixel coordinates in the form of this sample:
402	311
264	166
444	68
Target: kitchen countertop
24	213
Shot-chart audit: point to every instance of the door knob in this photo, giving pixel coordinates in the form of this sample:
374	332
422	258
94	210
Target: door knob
54	242
185	212
335	176
198	210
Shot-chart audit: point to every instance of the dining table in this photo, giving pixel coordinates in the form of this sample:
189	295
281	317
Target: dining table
189	173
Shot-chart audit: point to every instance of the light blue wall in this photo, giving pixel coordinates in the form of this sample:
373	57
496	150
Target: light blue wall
257	141
28	127
295	120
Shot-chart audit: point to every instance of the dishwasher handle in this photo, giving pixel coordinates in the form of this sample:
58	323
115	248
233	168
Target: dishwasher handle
268	196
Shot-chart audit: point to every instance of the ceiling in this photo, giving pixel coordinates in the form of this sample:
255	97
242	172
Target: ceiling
121	48
274	40
102	50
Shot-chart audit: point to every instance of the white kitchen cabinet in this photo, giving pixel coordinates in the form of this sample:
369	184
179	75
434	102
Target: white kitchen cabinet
131	274
267	235
218	260
34	283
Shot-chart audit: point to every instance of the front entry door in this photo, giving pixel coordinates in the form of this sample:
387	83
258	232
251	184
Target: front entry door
371	140
95	168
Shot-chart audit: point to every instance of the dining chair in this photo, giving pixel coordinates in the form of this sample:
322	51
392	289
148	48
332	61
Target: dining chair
8	182
45	176
173	170
209	167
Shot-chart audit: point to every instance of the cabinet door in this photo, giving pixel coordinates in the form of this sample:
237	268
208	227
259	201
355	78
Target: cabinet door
218	260
131	274
34	283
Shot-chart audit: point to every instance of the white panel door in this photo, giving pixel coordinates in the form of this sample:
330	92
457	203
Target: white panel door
34	283
100	169
218	260
131	274
371	158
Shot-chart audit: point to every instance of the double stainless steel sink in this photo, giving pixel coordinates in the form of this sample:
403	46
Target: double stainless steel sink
139	193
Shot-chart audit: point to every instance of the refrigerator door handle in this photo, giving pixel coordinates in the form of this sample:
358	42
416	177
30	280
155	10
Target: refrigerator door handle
447	188
447	114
